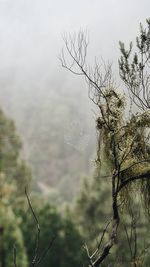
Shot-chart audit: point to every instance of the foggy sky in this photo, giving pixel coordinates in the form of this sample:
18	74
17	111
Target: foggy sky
31	31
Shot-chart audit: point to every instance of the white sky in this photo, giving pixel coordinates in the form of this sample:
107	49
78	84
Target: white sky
31	31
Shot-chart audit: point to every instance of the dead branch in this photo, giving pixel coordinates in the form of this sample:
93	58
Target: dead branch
36	258
15	256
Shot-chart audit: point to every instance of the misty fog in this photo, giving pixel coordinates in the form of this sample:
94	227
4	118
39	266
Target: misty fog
49	105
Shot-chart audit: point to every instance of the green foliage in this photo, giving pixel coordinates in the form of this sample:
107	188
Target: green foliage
67	247
10	237
134	71
93	211
16	219
12	167
134	67
14	175
93	208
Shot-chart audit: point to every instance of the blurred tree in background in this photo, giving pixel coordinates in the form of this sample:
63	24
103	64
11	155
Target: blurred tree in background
17	225
14	176
67	248
10	232
12	167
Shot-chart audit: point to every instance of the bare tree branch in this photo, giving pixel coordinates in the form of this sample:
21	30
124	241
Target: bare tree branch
15	256
36	258
33	263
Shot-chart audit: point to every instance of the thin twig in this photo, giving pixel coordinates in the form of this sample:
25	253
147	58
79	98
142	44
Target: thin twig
44	253
15	256
33	262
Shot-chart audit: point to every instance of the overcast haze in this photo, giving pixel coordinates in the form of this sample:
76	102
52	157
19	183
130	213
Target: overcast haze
31	31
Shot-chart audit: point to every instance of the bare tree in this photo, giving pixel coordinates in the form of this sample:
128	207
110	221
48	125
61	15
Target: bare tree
125	142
